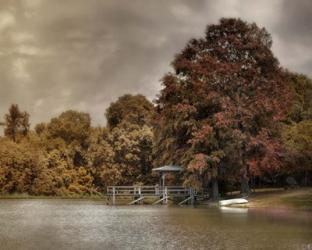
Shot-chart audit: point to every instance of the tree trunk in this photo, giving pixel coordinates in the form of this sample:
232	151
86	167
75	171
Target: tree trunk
215	188
245	190
305	178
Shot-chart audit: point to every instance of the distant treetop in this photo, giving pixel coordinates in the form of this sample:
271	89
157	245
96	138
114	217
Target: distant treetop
134	109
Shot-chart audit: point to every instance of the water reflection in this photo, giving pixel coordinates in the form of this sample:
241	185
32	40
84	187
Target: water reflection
234	210
74	224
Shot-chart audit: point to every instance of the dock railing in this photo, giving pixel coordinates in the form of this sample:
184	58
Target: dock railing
137	192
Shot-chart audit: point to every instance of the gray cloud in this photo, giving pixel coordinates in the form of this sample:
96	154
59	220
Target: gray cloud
77	54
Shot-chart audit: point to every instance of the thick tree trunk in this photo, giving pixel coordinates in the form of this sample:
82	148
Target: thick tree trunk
215	188
245	190
305	178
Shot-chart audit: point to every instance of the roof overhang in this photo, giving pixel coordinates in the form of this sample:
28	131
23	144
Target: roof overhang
168	168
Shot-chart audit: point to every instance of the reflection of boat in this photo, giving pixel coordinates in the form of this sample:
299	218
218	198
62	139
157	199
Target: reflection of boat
232	202
234	210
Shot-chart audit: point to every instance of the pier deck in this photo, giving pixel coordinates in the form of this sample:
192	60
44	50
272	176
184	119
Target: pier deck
162	193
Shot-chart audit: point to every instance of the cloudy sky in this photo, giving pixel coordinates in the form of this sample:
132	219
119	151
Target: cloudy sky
82	54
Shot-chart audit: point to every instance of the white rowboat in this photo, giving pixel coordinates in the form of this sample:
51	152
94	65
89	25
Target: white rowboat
232	202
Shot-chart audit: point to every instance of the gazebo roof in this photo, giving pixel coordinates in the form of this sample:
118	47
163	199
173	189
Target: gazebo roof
168	168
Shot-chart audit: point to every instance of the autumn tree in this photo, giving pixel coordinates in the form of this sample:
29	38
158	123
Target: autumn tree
16	123
218	111
101	159
135	109
131	137
68	157
40	128
301	105
65	142
299	138
70	126
297	128
132	145
19	166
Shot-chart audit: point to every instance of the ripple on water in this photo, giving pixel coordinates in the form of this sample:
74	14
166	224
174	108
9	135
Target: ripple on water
84	224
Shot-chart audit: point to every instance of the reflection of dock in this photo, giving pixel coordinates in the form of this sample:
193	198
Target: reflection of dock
162	194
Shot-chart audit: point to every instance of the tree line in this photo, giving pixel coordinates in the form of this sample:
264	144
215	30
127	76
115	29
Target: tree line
67	156
228	113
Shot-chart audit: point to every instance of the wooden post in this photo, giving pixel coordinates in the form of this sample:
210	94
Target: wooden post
140	193
166	195
134	193
156	190
163	179
192	196
114	198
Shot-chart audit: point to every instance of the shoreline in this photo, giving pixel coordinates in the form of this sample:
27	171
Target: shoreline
47	197
295	199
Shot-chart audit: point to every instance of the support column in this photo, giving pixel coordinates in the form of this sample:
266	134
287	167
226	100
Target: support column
114	198
157	190
163	179
140	194
192	195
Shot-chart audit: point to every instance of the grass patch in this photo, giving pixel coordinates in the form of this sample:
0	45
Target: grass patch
296	198
301	201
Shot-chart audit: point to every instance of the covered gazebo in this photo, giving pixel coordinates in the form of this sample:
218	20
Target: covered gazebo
165	170
162	192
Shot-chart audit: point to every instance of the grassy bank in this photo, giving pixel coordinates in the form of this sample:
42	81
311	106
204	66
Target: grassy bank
27	196
262	198
279	198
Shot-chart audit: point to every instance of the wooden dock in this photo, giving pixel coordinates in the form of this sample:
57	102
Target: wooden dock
162	194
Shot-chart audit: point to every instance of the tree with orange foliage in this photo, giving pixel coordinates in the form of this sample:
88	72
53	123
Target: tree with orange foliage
219	111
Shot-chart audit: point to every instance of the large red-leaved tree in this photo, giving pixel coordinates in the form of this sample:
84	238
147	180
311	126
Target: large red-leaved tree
219	111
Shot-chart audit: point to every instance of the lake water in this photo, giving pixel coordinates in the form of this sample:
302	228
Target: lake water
85	224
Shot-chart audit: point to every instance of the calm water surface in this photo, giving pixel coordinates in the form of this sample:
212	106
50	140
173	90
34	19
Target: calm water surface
81	224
